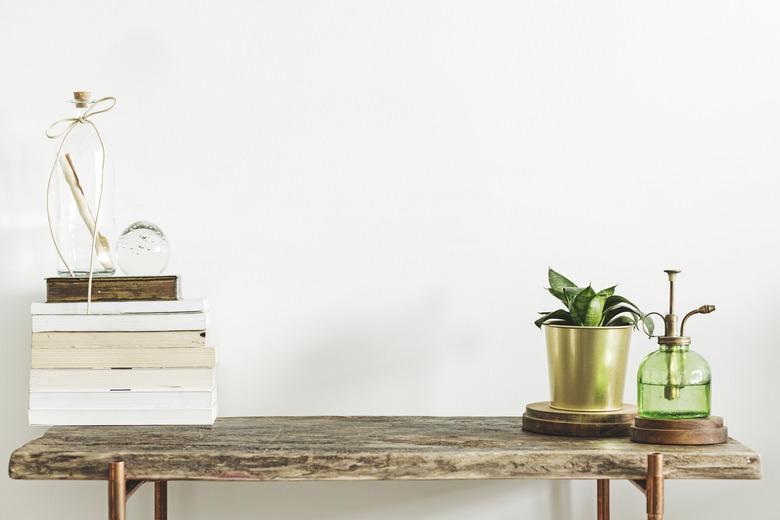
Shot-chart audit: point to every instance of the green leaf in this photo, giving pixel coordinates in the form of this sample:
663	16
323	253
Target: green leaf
558	293
628	310
570	293
580	306
623	320
613	301
616	310
558	281
625	314
560	316
616	300
649	324
589	308
617	306
595	310
606	293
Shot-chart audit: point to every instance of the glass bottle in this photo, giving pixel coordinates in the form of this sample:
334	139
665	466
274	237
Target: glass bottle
674	381
76	189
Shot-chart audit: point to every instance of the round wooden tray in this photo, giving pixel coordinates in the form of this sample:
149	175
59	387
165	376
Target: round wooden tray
689	432
542	418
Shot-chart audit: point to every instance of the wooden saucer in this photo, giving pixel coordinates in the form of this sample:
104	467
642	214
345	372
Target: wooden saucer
542	418
689	432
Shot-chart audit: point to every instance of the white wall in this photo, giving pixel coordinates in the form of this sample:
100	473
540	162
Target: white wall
369	194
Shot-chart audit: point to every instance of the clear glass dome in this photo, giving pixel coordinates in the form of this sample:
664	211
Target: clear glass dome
143	249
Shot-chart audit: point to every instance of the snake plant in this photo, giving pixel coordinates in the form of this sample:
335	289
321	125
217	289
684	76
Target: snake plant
588	308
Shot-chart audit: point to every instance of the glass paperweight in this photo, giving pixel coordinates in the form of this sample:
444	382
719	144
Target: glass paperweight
142	249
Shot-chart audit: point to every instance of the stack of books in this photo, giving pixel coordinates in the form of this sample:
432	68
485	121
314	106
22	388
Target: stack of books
139	356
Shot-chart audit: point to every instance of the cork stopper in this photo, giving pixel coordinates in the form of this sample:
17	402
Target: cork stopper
82	98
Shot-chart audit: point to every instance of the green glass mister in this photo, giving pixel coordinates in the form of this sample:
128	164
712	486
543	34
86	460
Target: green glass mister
674	381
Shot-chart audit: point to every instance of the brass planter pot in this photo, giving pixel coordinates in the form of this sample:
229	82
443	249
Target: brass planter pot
587	366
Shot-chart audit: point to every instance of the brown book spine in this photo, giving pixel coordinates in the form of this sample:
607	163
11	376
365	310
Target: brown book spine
115	288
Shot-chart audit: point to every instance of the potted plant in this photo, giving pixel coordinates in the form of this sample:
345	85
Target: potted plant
587	345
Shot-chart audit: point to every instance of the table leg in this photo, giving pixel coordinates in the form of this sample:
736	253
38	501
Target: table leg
117	491
161	500
655	486
602	499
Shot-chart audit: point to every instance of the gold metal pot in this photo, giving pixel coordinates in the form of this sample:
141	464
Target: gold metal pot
587	366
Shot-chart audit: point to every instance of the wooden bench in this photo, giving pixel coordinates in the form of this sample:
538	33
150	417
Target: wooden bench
363	448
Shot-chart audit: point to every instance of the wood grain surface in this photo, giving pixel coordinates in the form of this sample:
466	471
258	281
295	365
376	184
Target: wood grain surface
543	410
542	418
360	448
708	423
692	432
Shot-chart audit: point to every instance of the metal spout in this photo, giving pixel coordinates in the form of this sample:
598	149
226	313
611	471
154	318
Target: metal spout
704	309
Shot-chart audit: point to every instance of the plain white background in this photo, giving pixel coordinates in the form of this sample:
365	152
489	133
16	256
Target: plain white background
369	194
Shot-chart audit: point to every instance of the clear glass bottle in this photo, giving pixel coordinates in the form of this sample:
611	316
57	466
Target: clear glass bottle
674	383
76	188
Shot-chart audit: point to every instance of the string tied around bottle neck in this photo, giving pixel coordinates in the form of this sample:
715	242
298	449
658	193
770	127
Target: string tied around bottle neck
66	126
109	101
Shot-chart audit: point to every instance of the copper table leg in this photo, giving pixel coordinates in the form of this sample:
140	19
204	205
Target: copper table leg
161	500
655	486
602	499
120	489
117	497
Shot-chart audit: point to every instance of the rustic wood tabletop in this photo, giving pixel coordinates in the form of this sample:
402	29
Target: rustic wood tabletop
361	448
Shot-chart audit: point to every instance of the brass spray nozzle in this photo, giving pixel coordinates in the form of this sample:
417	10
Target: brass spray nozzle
704	309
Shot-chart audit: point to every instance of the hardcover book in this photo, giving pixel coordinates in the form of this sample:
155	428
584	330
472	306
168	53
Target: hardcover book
113	288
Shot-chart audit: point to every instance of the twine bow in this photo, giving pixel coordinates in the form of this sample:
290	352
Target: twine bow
83	118
73	122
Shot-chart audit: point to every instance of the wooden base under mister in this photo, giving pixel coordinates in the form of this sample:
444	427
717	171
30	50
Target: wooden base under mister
690	432
542	418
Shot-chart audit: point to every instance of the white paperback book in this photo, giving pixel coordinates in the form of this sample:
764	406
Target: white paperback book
131	307
150	379
119	322
203	416
123	358
162	339
123	400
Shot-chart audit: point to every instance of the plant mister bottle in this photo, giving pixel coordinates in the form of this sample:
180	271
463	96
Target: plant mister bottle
674	381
